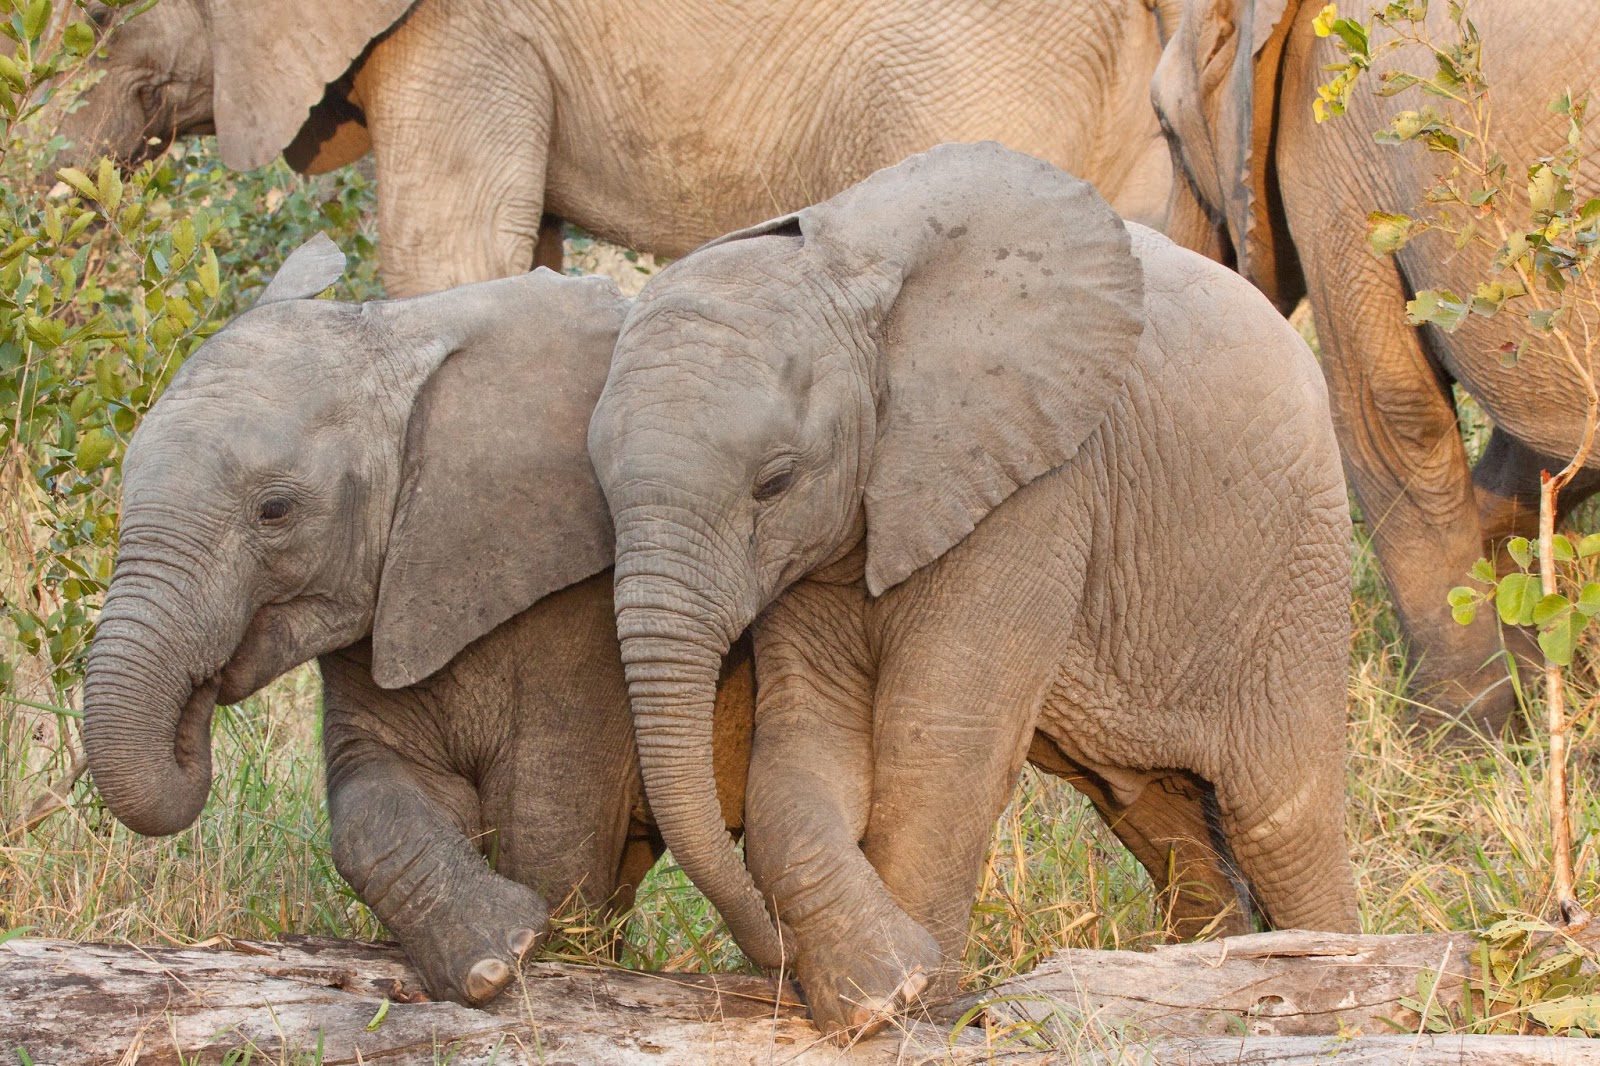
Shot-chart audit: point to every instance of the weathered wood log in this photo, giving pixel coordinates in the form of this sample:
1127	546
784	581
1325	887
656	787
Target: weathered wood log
1275	998
69	1004
1291	983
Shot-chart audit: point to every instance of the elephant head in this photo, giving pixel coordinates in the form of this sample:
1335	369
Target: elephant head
318	471
1216	91
890	365
265	75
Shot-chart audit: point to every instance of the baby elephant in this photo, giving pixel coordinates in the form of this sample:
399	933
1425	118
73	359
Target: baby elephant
977	459
413	470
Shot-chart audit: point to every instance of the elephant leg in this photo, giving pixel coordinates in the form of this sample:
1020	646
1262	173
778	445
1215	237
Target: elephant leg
1286	831
1396	420
857	954
953	717
1506	484
401	836
550	250
1171	828
462	170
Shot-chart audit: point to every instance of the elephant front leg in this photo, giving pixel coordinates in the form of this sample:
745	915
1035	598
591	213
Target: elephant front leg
400	838
460	111
859	956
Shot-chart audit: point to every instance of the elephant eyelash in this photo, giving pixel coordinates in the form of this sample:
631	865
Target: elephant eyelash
774	483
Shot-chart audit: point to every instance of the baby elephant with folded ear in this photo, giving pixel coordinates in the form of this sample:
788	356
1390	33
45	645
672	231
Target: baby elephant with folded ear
413	470
977	459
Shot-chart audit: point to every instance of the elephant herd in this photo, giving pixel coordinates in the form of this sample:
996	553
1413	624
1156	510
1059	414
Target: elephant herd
850	512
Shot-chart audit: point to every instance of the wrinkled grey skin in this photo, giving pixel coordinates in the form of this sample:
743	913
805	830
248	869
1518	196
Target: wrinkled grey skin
988	484
1298	226
415	471
656	125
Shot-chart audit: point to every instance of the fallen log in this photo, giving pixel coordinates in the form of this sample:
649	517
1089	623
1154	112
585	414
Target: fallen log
1278	998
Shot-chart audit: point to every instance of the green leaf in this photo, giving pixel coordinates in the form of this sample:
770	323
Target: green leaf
1437	307
1589	545
1548	192
1520	550
1560	640
12	74
1492	295
1545	321
1483	570
78	38
109	185
36	18
208	274
1510	595
1561	549
1549	608
1464	613
1589	599
1387	233
79	181
1459	595
1396	81
93	449
1573	1012
377	1019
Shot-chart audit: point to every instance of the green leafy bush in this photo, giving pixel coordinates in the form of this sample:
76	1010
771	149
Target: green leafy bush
108	282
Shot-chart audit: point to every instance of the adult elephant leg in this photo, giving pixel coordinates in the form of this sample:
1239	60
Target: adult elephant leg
460	112
1396	422
401	835
1198	888
550	251
857	954
1505	481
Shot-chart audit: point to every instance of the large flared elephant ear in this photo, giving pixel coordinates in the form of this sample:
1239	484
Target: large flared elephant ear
1003	346
1216	90
498	504
273	61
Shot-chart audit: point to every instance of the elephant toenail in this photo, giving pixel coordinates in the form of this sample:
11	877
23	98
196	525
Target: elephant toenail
521	941
488	976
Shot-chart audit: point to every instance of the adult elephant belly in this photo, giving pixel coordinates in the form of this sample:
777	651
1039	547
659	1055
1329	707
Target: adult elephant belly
1538	397
668	142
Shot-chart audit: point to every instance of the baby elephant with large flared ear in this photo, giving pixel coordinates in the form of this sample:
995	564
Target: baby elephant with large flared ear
413	470
995	476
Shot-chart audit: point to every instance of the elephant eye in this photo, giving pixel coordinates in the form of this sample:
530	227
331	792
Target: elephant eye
274	509
775	481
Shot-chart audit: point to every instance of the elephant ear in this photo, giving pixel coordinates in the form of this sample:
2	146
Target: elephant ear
273	61
1217	90
498	504
1003	346
310	268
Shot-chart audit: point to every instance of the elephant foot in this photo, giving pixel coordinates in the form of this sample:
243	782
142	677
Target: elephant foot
473	956
870	981
1472	708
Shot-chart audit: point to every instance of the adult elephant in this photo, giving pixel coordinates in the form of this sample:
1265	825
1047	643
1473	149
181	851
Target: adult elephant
656	125
424	520
1266	189
977	461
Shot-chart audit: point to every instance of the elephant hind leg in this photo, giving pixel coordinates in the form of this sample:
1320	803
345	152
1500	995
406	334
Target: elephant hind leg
1291	848
1173	827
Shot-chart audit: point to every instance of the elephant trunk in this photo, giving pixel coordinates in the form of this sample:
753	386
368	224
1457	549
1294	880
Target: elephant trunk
672	654
147	705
